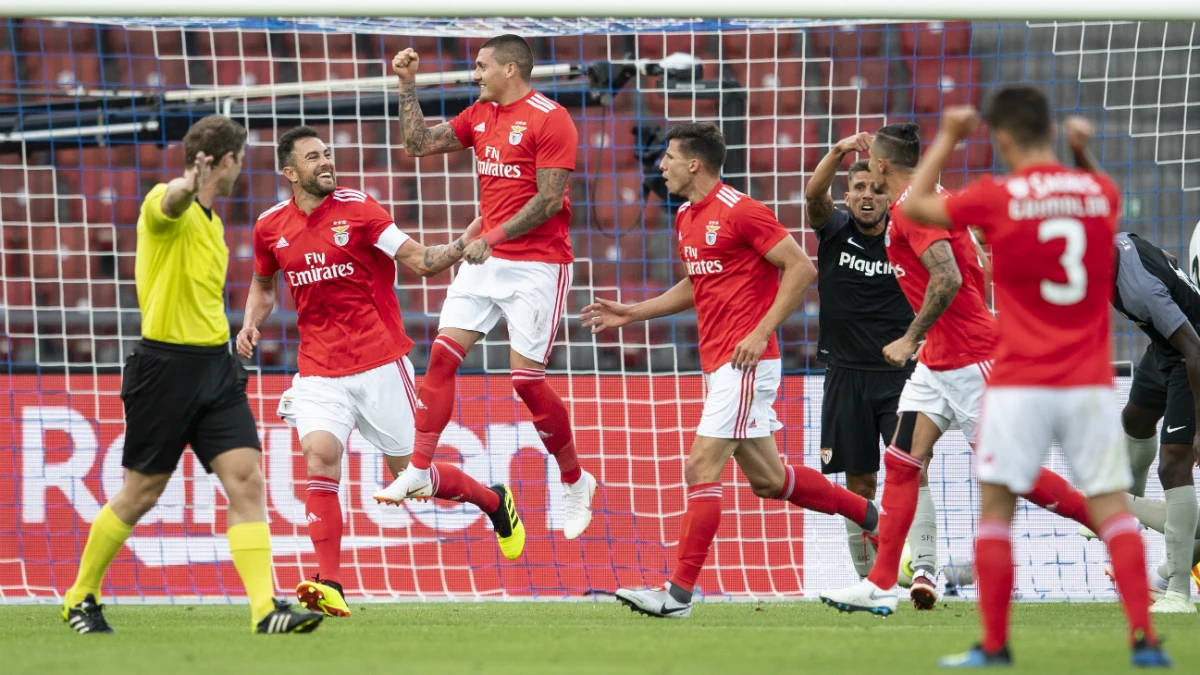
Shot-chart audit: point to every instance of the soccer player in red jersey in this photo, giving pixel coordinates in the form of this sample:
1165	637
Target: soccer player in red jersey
520	269
746	275
1051	230
940	273
337	249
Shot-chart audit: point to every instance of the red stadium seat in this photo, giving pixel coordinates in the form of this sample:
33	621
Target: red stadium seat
857	86
935	38
956	82
56	37
48	71
787	145
18	293
846	41
147	58
606	144
756	45
665	44
249	71
775	87
232	43
8	74
681	104
616	205
28	193
971	156
849	126
575	48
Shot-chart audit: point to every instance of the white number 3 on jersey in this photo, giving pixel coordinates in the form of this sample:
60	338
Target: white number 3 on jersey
1071	261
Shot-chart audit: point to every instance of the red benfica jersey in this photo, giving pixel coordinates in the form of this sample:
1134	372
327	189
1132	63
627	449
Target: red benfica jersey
1051	230
723	239
966	332
346	309
511	143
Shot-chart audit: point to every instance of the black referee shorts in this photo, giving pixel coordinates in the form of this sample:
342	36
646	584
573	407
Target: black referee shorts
859	407
1161	384
180	395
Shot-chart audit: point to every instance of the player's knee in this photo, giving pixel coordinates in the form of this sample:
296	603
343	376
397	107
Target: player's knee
863	484
1138	422
697	471
322	454
245	485
1175	465
765	487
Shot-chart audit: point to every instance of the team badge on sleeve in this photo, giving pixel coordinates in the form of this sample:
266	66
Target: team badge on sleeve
514	136
341	234
710	237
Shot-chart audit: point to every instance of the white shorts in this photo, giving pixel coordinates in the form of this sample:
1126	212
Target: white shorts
531	296
380	402
1020	423
947	396
739	402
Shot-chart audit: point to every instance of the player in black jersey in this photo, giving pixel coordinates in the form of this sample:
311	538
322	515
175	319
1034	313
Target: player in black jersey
862	309
1164	302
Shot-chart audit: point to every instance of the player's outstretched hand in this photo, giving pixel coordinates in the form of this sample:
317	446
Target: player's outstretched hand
960	121
1078	131
899	351
477	252
860	142
247	340
603	313
748	352
472	231
404	64
200	172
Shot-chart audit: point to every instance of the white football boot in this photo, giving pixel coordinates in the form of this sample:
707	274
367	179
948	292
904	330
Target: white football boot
1158	584
408	485
862	597
1173	602
577	505
656	602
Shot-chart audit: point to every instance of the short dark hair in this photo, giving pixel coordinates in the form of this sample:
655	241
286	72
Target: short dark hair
858	167
287	143
1023	111
513	49
215	136
900	144
701	140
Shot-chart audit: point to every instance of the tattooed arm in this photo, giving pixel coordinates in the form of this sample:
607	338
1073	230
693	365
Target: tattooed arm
944	281
419	139
430	260
552	188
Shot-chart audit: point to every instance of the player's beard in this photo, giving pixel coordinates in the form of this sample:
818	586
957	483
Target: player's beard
312	185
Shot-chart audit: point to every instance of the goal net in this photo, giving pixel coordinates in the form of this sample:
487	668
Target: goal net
91	114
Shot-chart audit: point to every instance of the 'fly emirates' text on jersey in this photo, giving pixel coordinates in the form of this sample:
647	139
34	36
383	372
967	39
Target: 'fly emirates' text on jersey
966	332
1051	230
342	280
511	143
723	239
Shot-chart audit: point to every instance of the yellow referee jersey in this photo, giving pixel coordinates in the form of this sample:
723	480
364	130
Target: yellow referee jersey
181	274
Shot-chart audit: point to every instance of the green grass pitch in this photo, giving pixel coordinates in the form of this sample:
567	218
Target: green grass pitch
575	638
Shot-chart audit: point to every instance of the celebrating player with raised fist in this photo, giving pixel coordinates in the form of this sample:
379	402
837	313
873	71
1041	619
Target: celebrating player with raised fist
520	269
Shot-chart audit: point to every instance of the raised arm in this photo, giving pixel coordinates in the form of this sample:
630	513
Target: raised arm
603	313
552	188
798	275
923	203
818	204
182	191
430	260
1078	131
419	138
944	281
260	300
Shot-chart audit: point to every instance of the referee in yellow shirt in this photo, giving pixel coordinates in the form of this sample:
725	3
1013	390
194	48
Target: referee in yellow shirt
182	385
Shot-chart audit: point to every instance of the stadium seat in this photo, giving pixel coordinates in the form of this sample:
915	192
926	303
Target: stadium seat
973	155
27	194
146	58
956	82
247	71
680	105
48	36
848	126
935	38
615	204
8	74
775	87
50	71
585	48
18	293
658	46
606	144
846	41
857	86
786	145
232	43
324	56
757	45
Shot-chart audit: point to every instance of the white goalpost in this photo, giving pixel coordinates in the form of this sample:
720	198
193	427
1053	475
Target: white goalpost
91	113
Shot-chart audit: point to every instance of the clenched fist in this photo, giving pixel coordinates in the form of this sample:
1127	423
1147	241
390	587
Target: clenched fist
404	64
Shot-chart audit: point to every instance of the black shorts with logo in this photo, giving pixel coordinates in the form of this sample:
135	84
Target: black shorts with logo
859	407
1160	383
180	395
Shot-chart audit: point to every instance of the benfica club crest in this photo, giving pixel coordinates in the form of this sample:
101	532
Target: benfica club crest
710	237
341	234
514	136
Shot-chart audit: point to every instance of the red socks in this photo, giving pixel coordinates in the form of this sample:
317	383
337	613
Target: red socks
435	400
697	533
550	418
450	482
1128	556
994	577
808	489
1053	493
324	513
899	507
